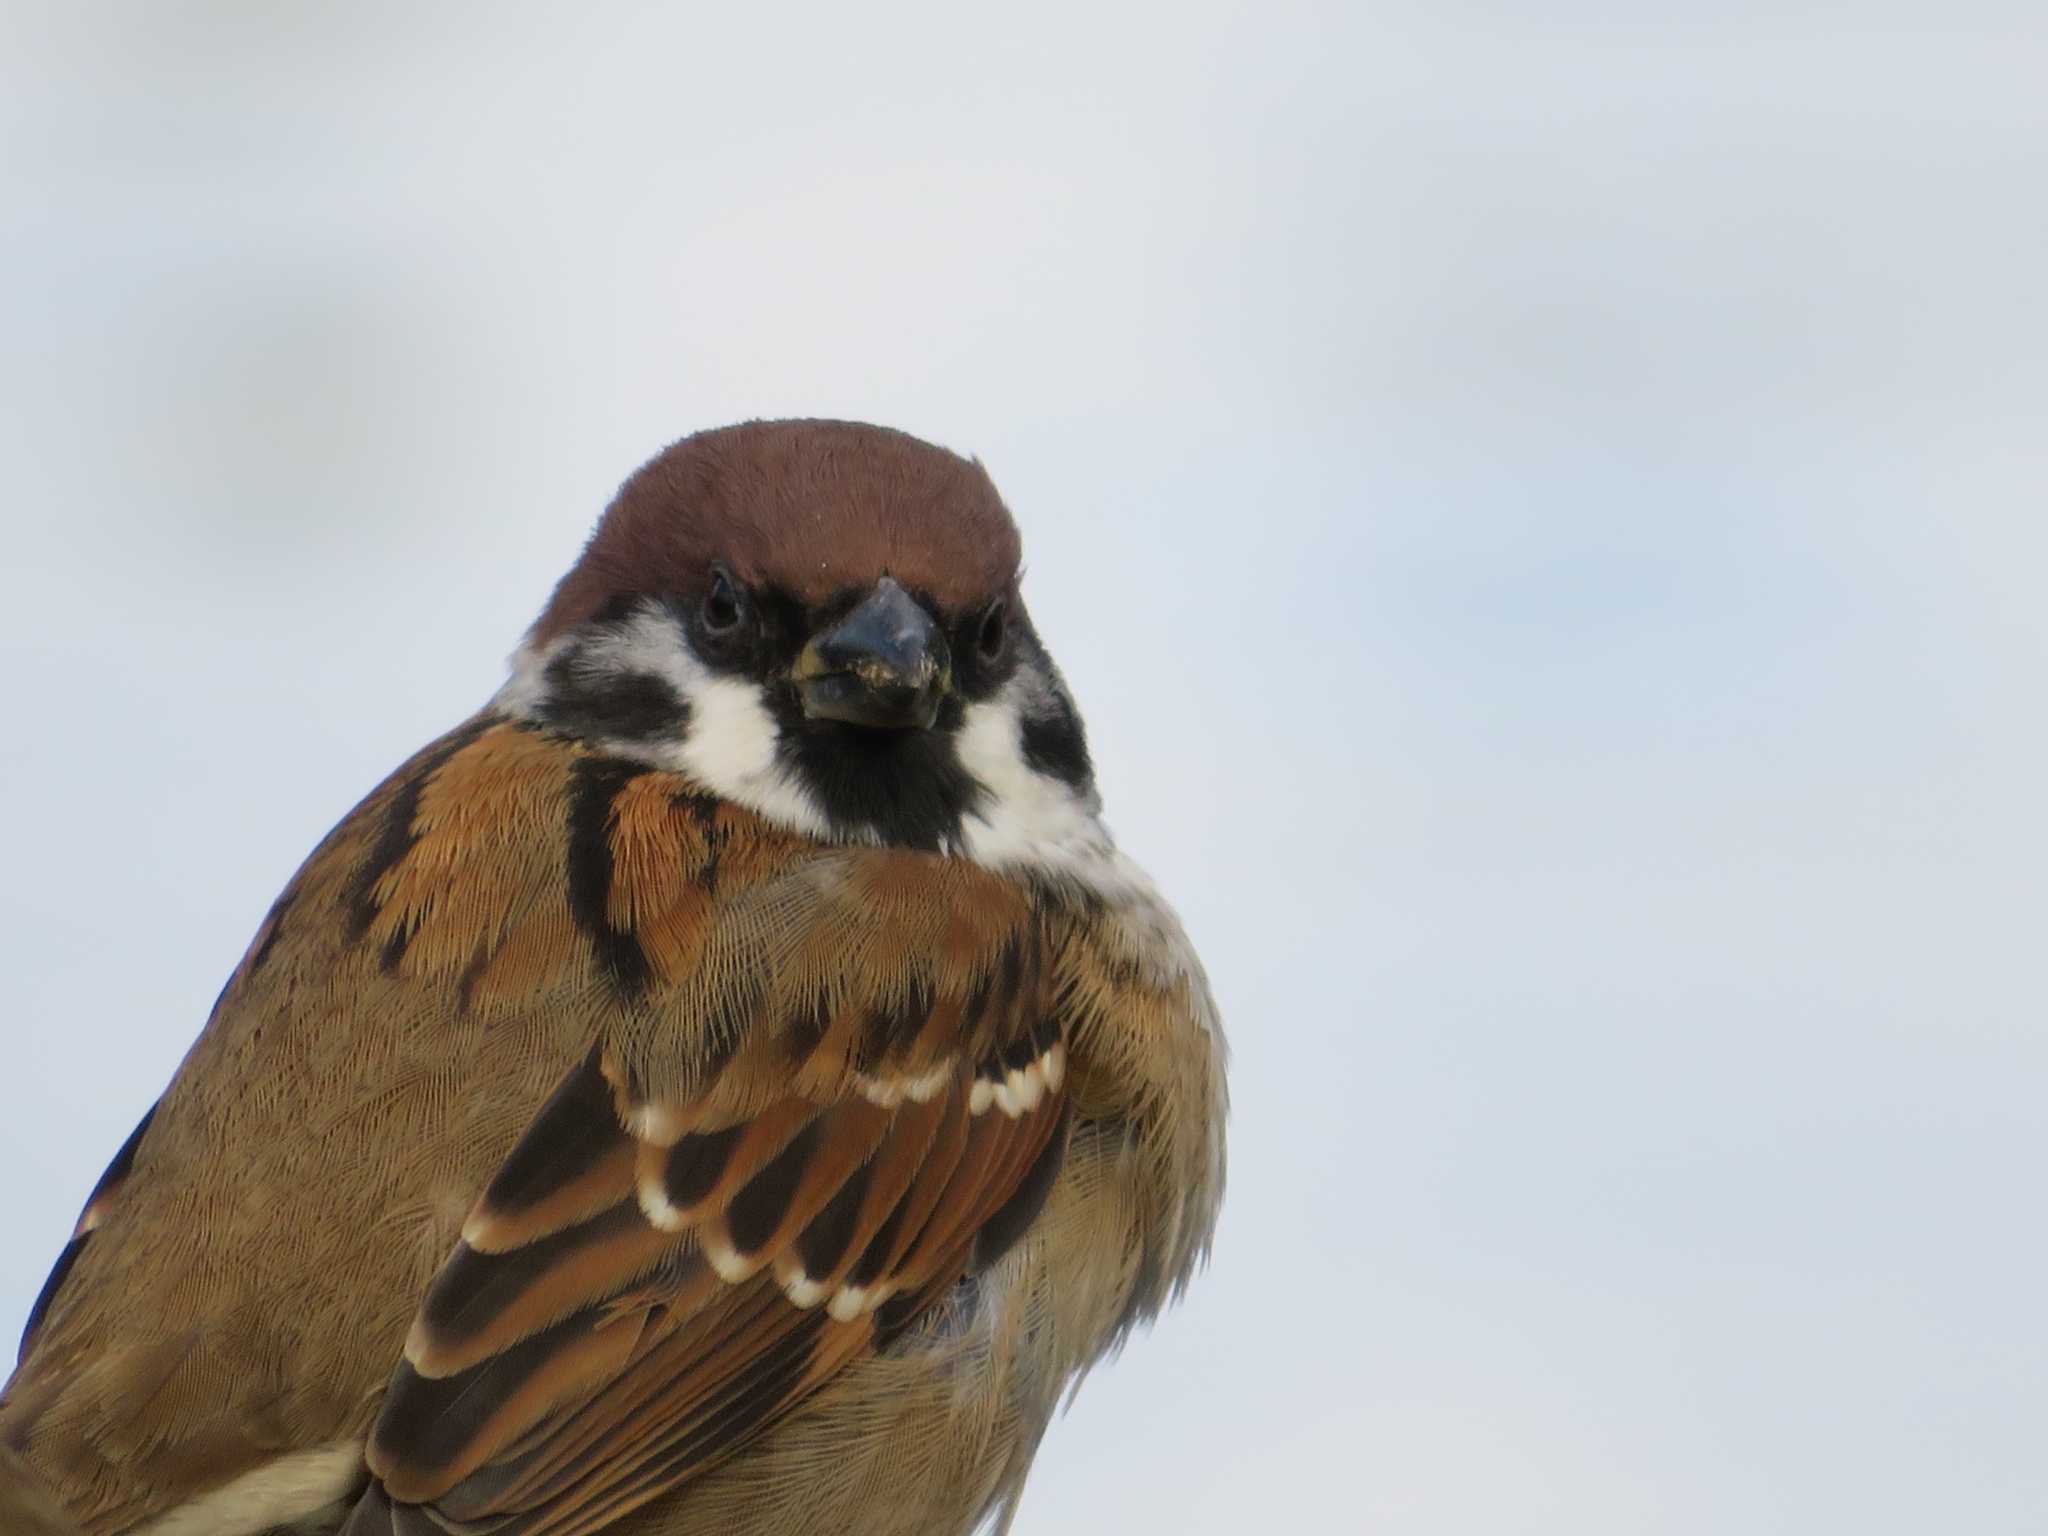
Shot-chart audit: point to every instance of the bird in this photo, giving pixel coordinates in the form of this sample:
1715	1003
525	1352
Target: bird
26	1507
732	1082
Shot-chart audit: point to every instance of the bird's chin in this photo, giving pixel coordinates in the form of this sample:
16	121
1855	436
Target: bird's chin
903	788
867	743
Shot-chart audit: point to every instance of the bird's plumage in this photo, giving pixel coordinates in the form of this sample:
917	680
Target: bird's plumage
588	1141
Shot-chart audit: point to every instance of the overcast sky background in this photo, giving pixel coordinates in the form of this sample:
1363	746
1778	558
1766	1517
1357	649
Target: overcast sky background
1542	507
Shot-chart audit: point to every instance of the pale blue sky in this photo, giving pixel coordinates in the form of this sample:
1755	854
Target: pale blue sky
1542	507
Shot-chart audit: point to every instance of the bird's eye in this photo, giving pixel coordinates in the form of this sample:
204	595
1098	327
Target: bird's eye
724	606
995	629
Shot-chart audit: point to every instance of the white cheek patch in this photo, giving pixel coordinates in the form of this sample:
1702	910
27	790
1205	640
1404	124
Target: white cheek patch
730	748
1034	821
1025	817
729	745
525	690
647	643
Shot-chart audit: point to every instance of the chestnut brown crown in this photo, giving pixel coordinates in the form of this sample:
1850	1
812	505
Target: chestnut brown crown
809	508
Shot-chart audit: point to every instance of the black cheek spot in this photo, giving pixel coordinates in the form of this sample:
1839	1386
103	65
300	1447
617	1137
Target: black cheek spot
623	706
1055	743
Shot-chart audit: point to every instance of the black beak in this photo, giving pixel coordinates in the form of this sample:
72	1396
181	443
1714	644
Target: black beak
885	665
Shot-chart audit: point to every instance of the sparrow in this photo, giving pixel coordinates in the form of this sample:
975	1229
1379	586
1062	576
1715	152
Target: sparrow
731	1083
26	1508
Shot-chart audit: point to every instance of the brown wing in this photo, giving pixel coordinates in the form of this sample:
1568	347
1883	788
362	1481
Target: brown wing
707	1221
26	1508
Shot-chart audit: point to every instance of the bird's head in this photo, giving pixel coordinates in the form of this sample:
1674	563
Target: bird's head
820	621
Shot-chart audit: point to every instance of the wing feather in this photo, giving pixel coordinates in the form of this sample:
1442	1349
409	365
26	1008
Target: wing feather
675	1254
